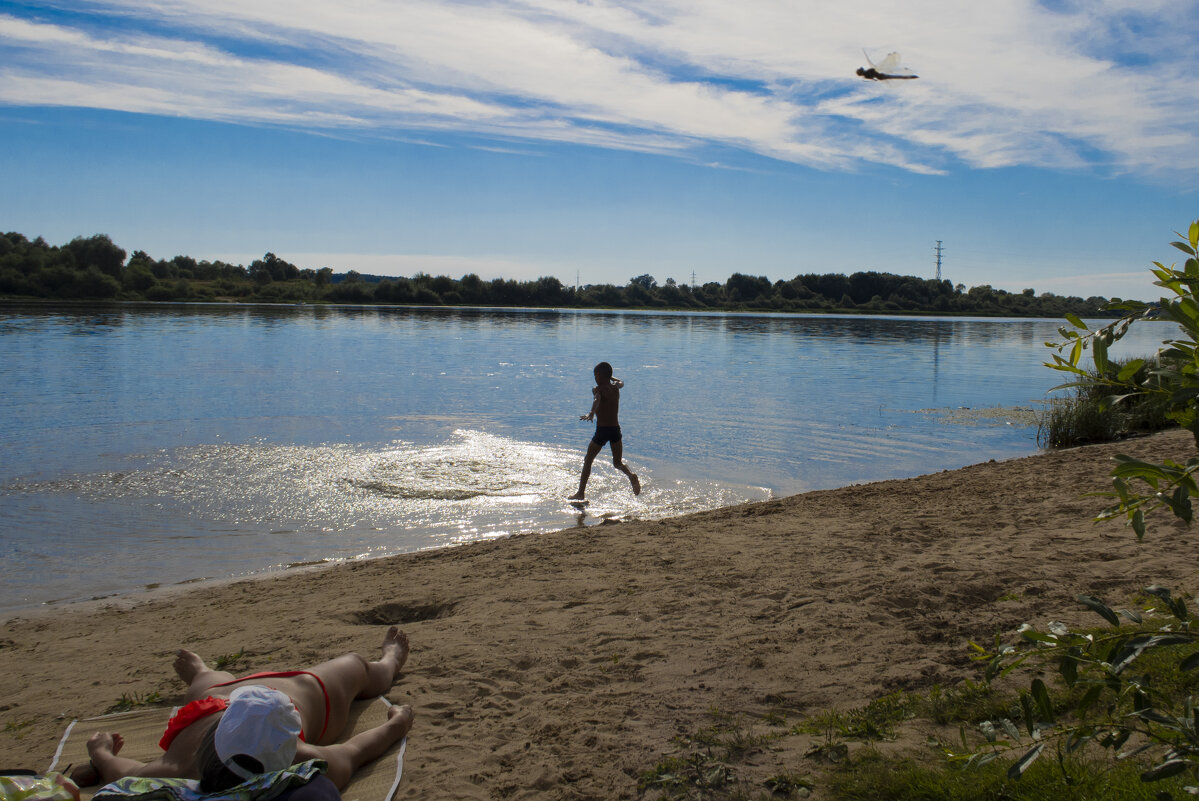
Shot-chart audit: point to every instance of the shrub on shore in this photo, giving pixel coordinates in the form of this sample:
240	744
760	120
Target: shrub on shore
1091	415
1139	487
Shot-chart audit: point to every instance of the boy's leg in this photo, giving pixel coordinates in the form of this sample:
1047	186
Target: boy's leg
617	453
592	451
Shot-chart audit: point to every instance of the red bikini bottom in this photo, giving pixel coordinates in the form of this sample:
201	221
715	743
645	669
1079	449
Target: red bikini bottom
198	710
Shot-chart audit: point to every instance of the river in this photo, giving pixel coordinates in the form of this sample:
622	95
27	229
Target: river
145	445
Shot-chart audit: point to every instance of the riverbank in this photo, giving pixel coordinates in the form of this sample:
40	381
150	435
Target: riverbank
562	665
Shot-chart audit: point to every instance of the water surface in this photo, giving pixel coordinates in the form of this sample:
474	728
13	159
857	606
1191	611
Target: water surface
158	444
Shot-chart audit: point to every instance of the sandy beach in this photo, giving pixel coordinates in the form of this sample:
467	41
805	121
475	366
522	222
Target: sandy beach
560	666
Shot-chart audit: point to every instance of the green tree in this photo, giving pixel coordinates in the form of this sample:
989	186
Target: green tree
645	281
744	288
187	267
548	291
138	278
97	251
276	268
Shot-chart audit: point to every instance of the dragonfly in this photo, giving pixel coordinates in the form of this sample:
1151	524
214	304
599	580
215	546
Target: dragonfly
886	70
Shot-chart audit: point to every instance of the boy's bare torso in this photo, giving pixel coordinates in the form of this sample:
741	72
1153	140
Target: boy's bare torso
608	406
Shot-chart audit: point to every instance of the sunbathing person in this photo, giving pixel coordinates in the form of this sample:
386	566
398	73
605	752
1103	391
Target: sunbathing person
319	706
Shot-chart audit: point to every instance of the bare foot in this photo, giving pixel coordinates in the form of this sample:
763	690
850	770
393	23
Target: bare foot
578	496
188	665
400	717
395	645
636	482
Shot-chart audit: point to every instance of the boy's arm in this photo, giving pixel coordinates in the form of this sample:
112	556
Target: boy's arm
616	382
595	394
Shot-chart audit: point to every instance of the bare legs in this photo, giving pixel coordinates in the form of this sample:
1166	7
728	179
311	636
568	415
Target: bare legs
617	452
346	758
196	674
349	677
345	678
381	673
592	451
618	463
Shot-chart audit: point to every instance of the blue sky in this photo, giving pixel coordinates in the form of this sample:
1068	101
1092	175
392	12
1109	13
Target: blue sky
1048	145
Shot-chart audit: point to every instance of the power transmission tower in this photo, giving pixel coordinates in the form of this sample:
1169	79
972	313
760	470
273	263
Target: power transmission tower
693	279
938	250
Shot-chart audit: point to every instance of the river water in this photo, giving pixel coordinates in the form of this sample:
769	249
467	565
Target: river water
144	444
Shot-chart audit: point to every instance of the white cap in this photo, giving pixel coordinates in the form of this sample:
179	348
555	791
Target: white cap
261	723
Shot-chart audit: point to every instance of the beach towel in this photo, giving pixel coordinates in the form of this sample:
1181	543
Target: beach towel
262	787
141	729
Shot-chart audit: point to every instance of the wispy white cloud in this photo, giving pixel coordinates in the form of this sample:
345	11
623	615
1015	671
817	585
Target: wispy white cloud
1002	84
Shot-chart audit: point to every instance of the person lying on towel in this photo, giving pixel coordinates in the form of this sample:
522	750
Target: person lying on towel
231	729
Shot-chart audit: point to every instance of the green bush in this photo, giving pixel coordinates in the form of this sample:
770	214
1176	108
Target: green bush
1088	414
1129	689
1173	382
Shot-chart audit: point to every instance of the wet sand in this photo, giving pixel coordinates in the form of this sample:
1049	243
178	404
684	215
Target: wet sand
560	666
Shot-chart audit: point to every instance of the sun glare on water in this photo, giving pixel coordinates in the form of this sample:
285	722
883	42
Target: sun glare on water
474	485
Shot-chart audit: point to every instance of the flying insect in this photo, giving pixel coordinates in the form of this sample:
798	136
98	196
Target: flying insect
886	70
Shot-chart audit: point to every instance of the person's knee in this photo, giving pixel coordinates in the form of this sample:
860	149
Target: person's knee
345	675
359	661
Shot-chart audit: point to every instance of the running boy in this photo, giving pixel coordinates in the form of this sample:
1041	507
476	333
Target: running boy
607	428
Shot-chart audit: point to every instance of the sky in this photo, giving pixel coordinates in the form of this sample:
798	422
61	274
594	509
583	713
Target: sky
1051	145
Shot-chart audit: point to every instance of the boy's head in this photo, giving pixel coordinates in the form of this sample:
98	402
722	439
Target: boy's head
603	372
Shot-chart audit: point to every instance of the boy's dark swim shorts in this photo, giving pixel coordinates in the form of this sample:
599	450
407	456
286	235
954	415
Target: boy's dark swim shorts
606	434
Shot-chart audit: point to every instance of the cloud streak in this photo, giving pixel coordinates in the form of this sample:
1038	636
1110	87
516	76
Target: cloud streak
1011	84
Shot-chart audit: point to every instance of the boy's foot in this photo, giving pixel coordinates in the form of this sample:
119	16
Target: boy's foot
578	496
636	482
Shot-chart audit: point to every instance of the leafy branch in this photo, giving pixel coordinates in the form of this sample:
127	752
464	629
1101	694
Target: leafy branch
1140	487
1108	704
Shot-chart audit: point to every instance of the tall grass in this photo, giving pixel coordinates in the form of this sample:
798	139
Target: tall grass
1089	416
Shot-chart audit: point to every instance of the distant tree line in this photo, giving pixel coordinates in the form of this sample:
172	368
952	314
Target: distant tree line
94	268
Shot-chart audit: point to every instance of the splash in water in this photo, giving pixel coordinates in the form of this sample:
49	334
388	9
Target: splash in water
219	510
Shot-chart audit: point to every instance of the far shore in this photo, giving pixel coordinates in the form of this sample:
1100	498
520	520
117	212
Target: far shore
730	311
563	665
